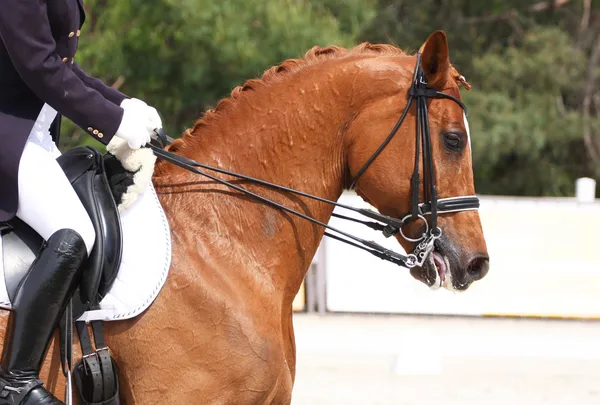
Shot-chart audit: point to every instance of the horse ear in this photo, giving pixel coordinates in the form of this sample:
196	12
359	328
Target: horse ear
435	59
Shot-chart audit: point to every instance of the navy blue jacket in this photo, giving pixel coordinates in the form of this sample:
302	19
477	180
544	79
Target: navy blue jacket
38	41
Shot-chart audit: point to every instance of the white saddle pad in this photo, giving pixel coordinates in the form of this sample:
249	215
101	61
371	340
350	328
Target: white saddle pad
144	267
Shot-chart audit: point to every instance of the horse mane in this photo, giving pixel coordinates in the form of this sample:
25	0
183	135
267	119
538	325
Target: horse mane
313	56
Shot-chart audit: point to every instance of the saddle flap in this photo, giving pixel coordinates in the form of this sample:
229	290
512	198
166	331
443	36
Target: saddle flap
84	166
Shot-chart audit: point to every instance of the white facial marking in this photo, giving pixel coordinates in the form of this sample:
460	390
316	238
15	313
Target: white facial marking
467	127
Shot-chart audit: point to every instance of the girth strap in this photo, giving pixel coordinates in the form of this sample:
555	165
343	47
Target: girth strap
96	374
108	374
90	386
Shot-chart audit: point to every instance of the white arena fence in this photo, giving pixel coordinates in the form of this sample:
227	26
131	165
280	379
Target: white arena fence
545	262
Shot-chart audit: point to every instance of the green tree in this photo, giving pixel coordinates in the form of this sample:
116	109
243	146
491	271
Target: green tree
536	93
533	64
182	56
524	137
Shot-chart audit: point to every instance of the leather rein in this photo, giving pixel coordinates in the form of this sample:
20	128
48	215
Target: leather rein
389	226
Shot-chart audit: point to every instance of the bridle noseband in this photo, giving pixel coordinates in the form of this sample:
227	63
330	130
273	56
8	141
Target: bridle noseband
432	207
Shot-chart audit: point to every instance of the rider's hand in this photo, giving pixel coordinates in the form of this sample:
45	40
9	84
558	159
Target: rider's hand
153	120
134	128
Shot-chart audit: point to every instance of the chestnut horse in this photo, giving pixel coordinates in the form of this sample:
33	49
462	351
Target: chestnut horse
221	330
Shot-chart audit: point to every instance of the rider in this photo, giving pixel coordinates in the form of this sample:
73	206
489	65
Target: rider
39	83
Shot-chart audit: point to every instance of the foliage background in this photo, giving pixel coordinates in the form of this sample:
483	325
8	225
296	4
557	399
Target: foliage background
534	66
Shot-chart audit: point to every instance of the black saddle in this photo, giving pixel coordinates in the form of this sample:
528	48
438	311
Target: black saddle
85	168
99	181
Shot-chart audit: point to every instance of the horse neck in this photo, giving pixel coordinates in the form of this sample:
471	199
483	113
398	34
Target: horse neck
289	132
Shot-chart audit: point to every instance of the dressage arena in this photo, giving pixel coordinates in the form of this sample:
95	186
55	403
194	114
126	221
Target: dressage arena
528	333
414	360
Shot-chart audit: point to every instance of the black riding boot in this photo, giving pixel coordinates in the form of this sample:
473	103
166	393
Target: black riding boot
39	304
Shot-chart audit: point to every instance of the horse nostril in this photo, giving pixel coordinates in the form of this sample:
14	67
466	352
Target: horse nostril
478	267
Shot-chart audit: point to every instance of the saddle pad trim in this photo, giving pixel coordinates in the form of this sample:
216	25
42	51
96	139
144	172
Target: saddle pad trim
111	307
108	315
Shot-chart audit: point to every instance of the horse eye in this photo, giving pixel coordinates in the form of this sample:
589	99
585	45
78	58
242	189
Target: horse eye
452	141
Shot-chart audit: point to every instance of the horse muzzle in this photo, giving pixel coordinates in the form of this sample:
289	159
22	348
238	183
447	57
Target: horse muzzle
451	267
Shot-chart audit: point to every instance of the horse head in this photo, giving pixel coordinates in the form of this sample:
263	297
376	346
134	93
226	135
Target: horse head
459	254
322	124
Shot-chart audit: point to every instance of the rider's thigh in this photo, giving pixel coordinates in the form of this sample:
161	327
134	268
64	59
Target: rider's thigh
47	201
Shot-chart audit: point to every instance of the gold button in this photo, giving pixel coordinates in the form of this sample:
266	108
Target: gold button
78	32
65	59
100	135
90	129
95	132
71	34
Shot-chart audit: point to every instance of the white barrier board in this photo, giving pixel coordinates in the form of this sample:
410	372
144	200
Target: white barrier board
544	262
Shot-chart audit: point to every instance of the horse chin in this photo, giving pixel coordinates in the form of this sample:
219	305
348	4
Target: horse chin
428	274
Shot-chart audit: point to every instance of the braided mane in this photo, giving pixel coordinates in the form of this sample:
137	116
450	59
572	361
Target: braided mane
313	56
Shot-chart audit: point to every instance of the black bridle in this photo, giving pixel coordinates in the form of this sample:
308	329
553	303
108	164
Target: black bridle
432	207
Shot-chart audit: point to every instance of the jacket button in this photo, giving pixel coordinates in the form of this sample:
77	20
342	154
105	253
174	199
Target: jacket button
71	34
95	132
78	32
65	59
90	129
100	135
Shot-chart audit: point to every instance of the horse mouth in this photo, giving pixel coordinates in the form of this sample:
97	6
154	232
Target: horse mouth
436	271
441	266
437	268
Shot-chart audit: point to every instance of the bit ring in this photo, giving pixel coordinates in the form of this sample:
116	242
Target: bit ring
404	221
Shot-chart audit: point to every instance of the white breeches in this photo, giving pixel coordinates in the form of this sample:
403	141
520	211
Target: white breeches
47	201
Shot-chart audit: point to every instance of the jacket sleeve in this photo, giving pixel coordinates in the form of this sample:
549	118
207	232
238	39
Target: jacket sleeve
109	93
25	31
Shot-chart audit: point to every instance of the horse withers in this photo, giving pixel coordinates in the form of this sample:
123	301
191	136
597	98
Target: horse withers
221	330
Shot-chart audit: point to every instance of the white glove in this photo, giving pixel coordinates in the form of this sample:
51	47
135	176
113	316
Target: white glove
133	103
153	119
133	128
